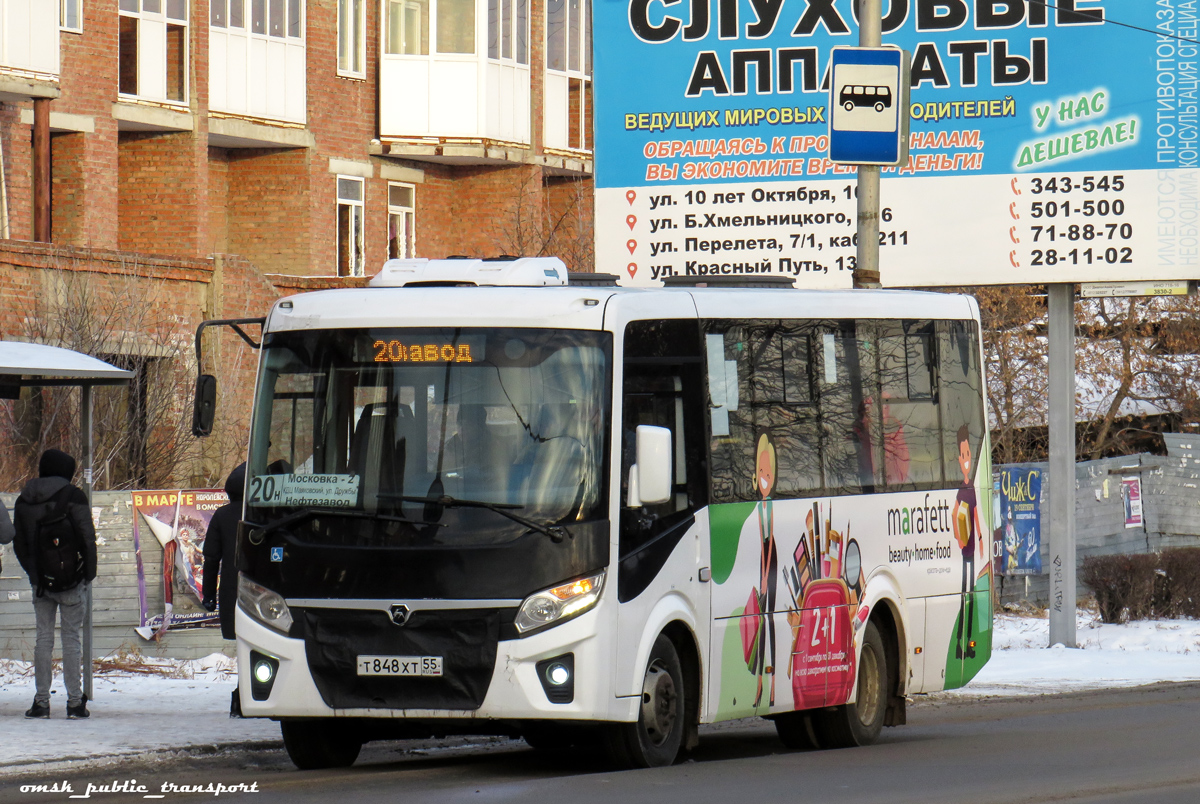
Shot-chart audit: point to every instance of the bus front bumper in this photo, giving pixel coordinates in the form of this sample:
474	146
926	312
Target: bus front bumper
515	692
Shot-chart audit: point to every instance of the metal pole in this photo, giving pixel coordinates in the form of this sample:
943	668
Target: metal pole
41	169
1061	416
85	430
866	269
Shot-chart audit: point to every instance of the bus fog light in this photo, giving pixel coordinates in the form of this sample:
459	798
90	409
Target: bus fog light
558	603
263	671
557	675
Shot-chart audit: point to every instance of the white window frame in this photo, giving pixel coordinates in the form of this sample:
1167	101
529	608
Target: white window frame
583	73
62	16
360	45
408	215
161	17
357	258
515	56
247	26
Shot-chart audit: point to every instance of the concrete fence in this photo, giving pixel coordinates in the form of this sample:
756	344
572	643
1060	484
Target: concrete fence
1170	513
115	593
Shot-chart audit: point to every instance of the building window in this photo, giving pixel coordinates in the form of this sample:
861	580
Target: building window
350	253
153	49
70	15
508	30
402	219
351	39
456	26
569	74
407	28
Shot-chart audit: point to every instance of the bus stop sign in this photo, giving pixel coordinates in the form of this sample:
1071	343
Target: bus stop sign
868	101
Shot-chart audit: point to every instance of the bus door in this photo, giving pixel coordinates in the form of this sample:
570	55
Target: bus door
657	549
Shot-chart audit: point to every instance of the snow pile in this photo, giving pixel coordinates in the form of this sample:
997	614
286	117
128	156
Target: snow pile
1125	655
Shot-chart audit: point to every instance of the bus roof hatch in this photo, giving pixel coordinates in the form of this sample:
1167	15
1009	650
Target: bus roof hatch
520	272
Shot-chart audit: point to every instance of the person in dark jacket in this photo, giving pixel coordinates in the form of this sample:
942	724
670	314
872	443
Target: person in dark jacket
220	544
37	501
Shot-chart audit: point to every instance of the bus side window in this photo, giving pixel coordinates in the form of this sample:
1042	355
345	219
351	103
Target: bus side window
662	388
765	389
961	394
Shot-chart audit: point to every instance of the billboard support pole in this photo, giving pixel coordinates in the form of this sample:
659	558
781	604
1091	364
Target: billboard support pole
1061	419
866	269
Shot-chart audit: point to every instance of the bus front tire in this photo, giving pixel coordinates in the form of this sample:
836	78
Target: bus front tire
861	722
318	744
654	740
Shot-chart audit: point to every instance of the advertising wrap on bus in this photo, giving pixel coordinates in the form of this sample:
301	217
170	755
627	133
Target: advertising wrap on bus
1049	142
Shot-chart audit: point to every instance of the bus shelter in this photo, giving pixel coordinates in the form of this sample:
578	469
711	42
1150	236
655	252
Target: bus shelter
34	364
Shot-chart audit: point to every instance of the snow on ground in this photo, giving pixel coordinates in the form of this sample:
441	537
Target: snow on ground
135	712
146	705
1125	655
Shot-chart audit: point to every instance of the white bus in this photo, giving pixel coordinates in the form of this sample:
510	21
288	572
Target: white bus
482	499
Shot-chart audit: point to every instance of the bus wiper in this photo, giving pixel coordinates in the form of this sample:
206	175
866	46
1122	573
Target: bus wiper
556	532
259	532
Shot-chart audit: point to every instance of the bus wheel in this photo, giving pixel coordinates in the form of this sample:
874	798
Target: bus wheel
316	744
879	106
654	740
859	723
849	106
795	730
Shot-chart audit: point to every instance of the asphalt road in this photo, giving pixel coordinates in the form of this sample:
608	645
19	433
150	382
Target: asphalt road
1109	747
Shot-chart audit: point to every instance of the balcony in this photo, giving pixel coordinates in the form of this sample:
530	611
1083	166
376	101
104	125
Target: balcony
457	70
257	59
29	60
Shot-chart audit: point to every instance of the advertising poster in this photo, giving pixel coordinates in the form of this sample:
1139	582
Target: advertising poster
1018	541
1131	495
178	521
1049	142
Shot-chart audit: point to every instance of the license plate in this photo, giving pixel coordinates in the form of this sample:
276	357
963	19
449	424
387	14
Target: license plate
399	665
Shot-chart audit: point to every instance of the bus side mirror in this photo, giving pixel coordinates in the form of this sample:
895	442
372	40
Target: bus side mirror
204	406
650	479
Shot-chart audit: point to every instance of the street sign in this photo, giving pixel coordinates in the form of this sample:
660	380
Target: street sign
1102	290
868	106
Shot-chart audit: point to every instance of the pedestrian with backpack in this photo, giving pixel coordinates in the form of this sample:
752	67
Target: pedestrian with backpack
56	545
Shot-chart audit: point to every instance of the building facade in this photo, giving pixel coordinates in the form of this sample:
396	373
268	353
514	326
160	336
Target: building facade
280	145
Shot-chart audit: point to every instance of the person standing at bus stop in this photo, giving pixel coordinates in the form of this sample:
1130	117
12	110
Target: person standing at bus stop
56	545
220	544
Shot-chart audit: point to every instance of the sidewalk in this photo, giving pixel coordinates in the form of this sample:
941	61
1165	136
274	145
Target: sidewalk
134	713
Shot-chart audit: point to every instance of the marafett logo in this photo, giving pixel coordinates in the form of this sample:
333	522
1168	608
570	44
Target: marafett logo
919	519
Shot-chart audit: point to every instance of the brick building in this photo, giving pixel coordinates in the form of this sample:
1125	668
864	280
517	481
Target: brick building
216	154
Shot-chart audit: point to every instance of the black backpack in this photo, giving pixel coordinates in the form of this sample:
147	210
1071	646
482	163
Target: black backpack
58	548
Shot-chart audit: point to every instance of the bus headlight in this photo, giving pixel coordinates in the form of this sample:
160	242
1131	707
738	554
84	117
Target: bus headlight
262	604
559	603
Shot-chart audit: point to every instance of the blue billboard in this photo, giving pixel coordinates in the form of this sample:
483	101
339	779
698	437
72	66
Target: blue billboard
1048	141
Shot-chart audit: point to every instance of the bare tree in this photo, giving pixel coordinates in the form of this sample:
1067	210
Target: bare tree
550	217
141	432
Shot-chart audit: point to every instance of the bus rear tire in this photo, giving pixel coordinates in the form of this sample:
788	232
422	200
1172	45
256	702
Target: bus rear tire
318	744
654	740
861	722
795	730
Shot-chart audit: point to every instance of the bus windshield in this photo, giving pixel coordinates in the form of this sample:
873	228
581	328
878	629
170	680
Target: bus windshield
405	437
